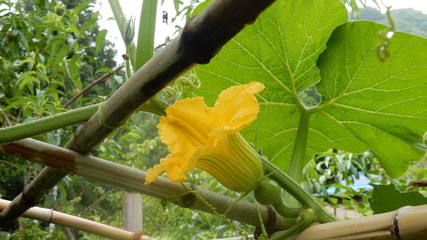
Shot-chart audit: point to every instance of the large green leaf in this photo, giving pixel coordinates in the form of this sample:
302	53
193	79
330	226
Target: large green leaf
280	49
377	106
366	104
386	198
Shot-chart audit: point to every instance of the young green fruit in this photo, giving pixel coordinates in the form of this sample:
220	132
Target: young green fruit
267	192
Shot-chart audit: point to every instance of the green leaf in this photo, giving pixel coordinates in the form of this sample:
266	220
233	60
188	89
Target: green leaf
100	40
372	105
104	70
201	7
74	71
280	50
366	104
81	7
386	198
147	28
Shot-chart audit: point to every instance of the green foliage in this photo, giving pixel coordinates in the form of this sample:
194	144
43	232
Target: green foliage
337	168
136	144
47	55
386	198
49	50
36	230
181	223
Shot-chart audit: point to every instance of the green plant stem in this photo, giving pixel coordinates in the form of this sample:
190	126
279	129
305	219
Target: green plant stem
286	211
154	106
306	220
298	153
147	27
261	223
47	124
295	190
128	71
65	119
118	15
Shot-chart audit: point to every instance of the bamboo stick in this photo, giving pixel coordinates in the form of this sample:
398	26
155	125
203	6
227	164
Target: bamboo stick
200	40
133	180
50	216
405	223
132	212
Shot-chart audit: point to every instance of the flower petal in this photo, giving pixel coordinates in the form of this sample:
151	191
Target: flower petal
187	125
175	165
155	171
237	106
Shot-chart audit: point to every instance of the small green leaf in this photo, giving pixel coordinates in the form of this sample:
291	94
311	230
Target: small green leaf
82	6
74	71
100	40
201	7
386	198
104	70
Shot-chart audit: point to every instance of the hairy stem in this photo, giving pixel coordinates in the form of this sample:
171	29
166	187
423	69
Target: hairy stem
307	218
285	210
298	154
295	190
46	124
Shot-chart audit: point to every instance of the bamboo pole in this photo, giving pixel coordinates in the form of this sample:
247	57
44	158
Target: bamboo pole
133	180
132	212
50	216
201	39
405	223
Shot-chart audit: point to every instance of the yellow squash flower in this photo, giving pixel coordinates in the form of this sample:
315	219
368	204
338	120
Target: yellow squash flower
209	138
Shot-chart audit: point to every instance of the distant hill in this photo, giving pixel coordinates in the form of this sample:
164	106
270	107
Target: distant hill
407	20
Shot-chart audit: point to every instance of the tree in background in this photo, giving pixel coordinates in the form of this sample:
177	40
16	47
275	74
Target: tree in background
50	50
407	20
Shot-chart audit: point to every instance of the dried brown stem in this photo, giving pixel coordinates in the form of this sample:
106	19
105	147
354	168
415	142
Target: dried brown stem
6	118
100	79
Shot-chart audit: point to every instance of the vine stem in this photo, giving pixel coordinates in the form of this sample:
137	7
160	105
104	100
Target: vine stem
306	220
298	153
61	120
295	190
46	124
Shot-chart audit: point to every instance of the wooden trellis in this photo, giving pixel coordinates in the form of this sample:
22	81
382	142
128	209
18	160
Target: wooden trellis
132	179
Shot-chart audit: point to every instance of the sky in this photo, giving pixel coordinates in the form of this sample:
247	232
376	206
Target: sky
132	8
420	5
